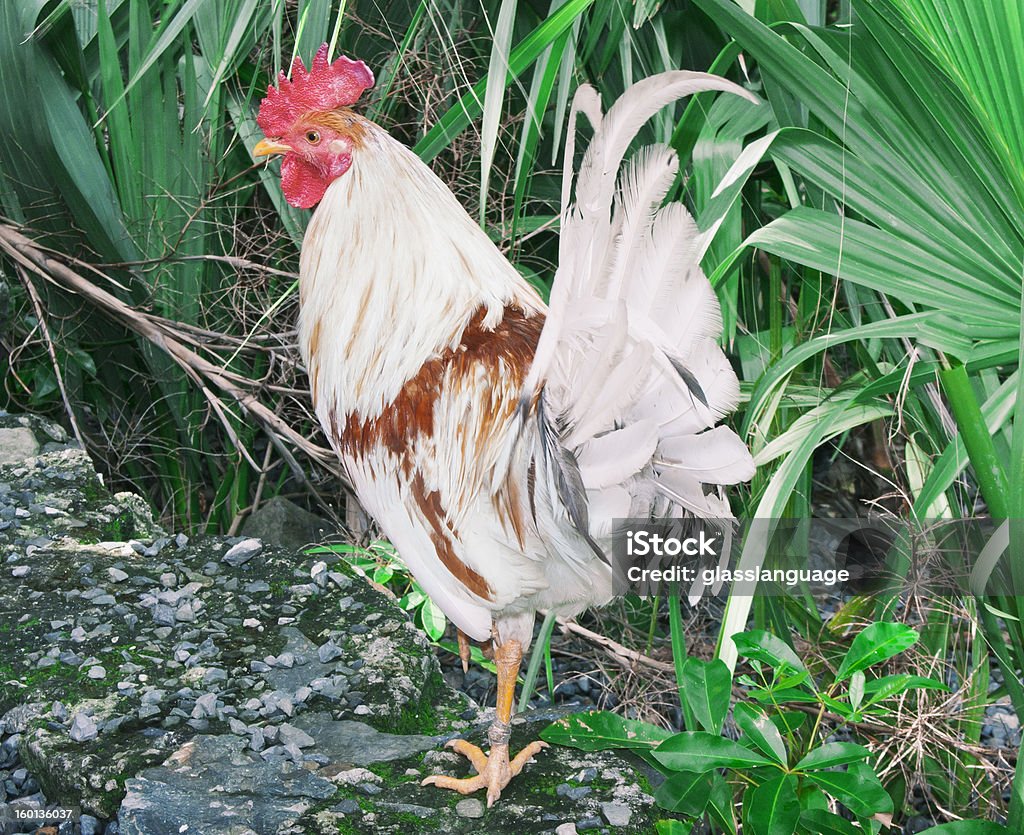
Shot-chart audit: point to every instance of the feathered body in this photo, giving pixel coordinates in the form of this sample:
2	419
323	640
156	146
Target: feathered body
495	440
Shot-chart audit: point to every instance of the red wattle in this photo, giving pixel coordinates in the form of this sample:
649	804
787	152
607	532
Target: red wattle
302	182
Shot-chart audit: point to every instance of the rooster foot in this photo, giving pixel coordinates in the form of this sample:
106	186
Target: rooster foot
494	770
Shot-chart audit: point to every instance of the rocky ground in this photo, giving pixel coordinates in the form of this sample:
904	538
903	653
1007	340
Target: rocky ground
225	685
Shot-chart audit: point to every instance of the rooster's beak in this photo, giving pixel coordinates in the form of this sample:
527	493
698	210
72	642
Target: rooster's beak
268	147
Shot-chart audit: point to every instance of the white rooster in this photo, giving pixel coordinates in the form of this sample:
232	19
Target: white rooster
493	438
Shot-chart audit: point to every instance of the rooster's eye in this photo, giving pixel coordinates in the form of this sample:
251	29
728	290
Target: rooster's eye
312	137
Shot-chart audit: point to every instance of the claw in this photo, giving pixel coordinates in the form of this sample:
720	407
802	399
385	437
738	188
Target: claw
494	770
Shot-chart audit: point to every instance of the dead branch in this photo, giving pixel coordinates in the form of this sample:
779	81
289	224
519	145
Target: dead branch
165	335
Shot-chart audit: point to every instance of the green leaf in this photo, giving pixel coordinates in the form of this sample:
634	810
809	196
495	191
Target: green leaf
433	619
601	730
774	807
822	822
856	694
858	789
700	752
832	754
886	687
673	827
685	791
770	649
875	644
760	730
720	804
707	686
968	828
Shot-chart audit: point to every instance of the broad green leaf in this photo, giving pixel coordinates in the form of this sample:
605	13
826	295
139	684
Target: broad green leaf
707	687
832	754
856	694
874	644
968	828
774	807
686	791
699	751
770	649
601	730
433	618
760	730
673	827
823	822
886	687
858	789
720	804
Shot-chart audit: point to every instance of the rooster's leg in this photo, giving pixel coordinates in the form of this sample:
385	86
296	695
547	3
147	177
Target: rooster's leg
494	769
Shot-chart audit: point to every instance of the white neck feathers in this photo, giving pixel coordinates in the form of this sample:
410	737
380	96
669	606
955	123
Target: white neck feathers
392	270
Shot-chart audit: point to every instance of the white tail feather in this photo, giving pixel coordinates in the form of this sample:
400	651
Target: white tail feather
627	360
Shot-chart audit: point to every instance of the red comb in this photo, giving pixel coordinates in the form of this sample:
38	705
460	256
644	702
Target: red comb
324	86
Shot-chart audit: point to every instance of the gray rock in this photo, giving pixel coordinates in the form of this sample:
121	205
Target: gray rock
89	825
617	814
83	728
573	792
279	521
163	615
471	807
209	785
17	444
242	552
116	575
291	734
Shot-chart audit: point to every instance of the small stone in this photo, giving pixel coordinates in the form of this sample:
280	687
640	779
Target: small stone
97	672
328	652
290	734
586	824
617	814
116	575
572	792
206	705
238	728
251	623
163	615
168	580
471	807
83	728
185	613
89	825
20	570
347	807
242	552
566	829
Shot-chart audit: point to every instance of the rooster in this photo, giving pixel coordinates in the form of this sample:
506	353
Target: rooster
495	438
